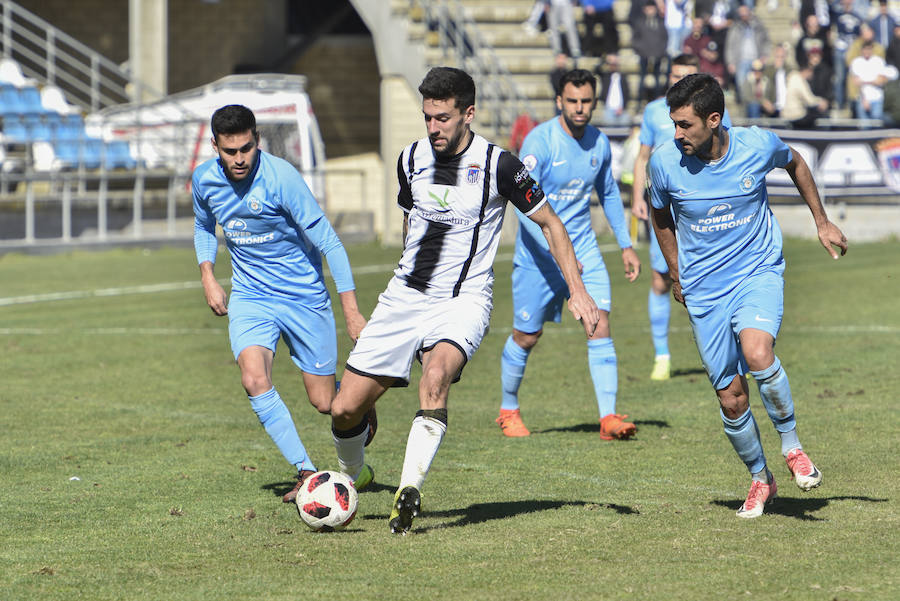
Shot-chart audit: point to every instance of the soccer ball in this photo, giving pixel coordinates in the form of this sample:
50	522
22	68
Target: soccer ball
327	501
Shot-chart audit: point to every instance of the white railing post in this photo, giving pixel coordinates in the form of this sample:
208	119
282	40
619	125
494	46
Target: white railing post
67	210
51	56
7	29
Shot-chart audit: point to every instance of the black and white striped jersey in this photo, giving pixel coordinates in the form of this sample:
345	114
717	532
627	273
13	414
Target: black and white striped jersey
455	209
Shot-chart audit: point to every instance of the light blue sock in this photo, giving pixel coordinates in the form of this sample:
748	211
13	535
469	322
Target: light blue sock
604	373
744	436
659	308
276	419
512	370
775	392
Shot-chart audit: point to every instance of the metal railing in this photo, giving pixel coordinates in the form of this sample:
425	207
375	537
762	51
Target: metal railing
462	43
102	207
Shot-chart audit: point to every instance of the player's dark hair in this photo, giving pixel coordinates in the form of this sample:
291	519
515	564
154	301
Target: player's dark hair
686	60
699	90
444	83
233	119
578	78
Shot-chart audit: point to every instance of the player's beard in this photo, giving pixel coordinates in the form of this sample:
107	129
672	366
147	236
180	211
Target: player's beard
703	151
452	145
577	130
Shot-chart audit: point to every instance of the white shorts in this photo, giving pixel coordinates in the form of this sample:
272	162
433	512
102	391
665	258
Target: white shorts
407	323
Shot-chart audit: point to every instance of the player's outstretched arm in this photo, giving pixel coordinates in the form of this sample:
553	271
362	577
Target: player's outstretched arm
829	234
581	305
353	319
212	289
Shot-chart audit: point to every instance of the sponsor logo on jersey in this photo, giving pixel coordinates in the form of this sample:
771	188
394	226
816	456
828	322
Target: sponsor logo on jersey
473	173
255	205
530	162
236	224
720	223
441	199
748	181
522	177
719	208
534	194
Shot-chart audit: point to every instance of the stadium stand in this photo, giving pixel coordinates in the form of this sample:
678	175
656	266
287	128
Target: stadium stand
31	115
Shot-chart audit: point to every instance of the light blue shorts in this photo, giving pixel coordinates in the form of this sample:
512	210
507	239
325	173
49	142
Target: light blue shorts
538	297
757	303
309	332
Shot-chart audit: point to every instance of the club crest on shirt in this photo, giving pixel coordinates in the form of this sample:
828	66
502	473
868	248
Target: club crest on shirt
473	173
255	205
748	181
530	162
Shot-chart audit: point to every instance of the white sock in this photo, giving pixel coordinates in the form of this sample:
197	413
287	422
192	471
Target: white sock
425	437
351	453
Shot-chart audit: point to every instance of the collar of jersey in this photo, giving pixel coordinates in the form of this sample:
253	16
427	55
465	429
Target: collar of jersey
456	157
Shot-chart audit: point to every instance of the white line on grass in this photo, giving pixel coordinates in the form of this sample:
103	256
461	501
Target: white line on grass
360	270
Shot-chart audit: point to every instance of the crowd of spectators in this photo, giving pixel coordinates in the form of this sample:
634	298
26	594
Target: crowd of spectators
840	61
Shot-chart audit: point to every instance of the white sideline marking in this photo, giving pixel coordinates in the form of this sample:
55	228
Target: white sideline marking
190	285
859	329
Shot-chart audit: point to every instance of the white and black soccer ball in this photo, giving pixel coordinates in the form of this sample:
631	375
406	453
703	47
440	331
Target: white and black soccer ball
327	501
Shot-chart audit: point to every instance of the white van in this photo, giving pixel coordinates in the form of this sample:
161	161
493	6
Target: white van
174	133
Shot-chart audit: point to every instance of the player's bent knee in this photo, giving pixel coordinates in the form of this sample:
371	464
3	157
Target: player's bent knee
322	404
345	413
526	341
255	384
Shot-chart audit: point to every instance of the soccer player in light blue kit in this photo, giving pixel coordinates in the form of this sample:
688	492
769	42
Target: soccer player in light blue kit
656	128
276	234
727	266
568	157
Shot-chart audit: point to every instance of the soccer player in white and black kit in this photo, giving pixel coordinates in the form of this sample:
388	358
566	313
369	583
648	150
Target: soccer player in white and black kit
454	185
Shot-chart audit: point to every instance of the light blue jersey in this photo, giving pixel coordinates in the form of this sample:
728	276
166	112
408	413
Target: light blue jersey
567	170
274	230
726	230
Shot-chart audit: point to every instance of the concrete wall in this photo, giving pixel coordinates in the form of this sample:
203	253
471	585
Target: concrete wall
206	39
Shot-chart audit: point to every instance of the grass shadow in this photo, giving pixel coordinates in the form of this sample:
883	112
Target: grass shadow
483	512
595	426
800	508
693	371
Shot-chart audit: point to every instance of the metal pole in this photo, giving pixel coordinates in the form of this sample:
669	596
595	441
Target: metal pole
7	28
170	205
29	210
67	210
51	56
102	224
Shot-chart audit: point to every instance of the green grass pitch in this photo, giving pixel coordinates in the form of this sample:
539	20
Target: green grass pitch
133	468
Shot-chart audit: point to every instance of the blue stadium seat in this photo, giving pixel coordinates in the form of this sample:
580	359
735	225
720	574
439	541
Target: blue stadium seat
14	128
10	101
30	98
118	154
38	129
74	152
69	127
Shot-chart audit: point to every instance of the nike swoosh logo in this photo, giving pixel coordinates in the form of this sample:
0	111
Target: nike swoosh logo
321	365
558	163
758	318
604	300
